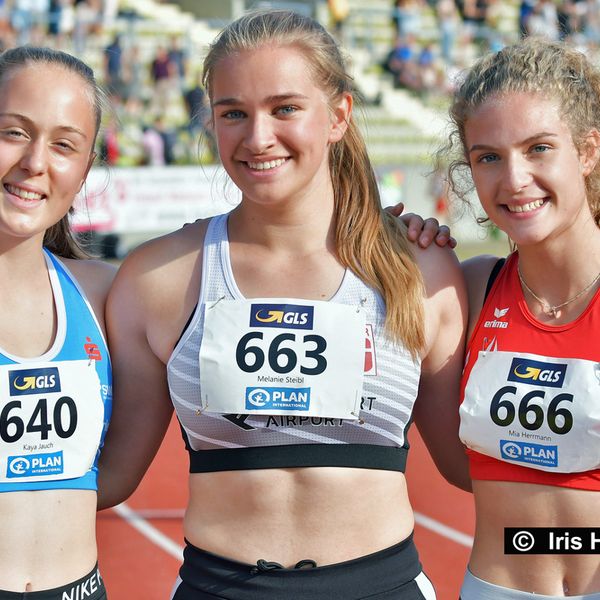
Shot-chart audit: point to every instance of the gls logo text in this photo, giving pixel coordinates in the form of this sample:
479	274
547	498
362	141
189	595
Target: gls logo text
33	381
534	372
288	316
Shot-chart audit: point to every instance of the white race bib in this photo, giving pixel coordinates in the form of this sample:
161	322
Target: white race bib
51	420
534	411
272	356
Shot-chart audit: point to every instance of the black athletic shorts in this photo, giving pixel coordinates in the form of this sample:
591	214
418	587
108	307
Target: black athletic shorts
391	574
90	587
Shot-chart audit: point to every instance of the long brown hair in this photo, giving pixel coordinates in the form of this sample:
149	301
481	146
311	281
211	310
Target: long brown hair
368	241
58	238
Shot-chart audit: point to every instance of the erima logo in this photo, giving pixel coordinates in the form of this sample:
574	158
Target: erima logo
33	381
498	314
288	316
534	372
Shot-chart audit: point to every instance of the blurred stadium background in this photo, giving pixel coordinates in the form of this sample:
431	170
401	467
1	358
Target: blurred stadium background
157	158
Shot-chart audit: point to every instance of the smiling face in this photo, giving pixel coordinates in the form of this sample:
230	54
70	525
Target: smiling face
529	175
274	125
47	130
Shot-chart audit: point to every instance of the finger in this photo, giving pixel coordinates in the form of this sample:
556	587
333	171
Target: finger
396	210
414	224
429	232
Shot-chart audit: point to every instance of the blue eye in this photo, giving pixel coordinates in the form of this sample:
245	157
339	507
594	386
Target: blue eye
539	148
287	110
233	114
487	158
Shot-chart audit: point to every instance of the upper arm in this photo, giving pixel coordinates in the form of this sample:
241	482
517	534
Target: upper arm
436	409
148	306
141	408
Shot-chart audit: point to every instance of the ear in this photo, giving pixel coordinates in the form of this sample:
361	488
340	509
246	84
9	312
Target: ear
87	170
590	152
340	118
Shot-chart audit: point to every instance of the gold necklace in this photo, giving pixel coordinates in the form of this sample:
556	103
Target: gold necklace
546	307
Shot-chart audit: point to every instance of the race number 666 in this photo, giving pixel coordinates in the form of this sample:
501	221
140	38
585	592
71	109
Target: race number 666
531	415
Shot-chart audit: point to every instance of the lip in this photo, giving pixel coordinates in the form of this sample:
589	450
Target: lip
15	194
526	207
265	165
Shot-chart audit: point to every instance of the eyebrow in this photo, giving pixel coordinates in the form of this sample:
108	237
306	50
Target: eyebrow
269	99
529	140
66	128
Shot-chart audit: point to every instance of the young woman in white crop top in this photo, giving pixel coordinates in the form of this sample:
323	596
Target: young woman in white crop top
288	333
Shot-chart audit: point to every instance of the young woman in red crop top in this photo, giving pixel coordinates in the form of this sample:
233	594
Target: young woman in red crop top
526	122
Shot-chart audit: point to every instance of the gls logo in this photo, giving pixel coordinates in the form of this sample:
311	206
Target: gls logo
33	381
534	372
289	316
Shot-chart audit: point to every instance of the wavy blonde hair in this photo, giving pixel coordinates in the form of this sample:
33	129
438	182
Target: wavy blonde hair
368	241
553	70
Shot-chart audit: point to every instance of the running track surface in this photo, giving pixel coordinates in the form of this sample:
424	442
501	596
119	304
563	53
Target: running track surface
140	542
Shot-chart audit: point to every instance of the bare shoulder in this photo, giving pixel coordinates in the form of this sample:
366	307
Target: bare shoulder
94	275
163	261
477	272
95	278
158	286
439	267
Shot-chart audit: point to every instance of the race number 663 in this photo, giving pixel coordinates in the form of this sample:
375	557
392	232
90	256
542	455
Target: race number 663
281	354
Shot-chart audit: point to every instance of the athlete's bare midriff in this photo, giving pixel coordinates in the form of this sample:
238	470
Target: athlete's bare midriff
325	514
47	538
502	504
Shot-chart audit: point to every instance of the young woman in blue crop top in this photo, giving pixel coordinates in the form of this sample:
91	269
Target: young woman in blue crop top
296	336
55	375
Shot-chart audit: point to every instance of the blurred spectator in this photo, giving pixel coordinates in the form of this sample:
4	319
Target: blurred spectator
543	21
153	146
109	144
178	59
448	23
427	74
406	15
161	72
87	22
400	62
133	73
113	58
525	10
54	16
198	111
474	18
339	10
